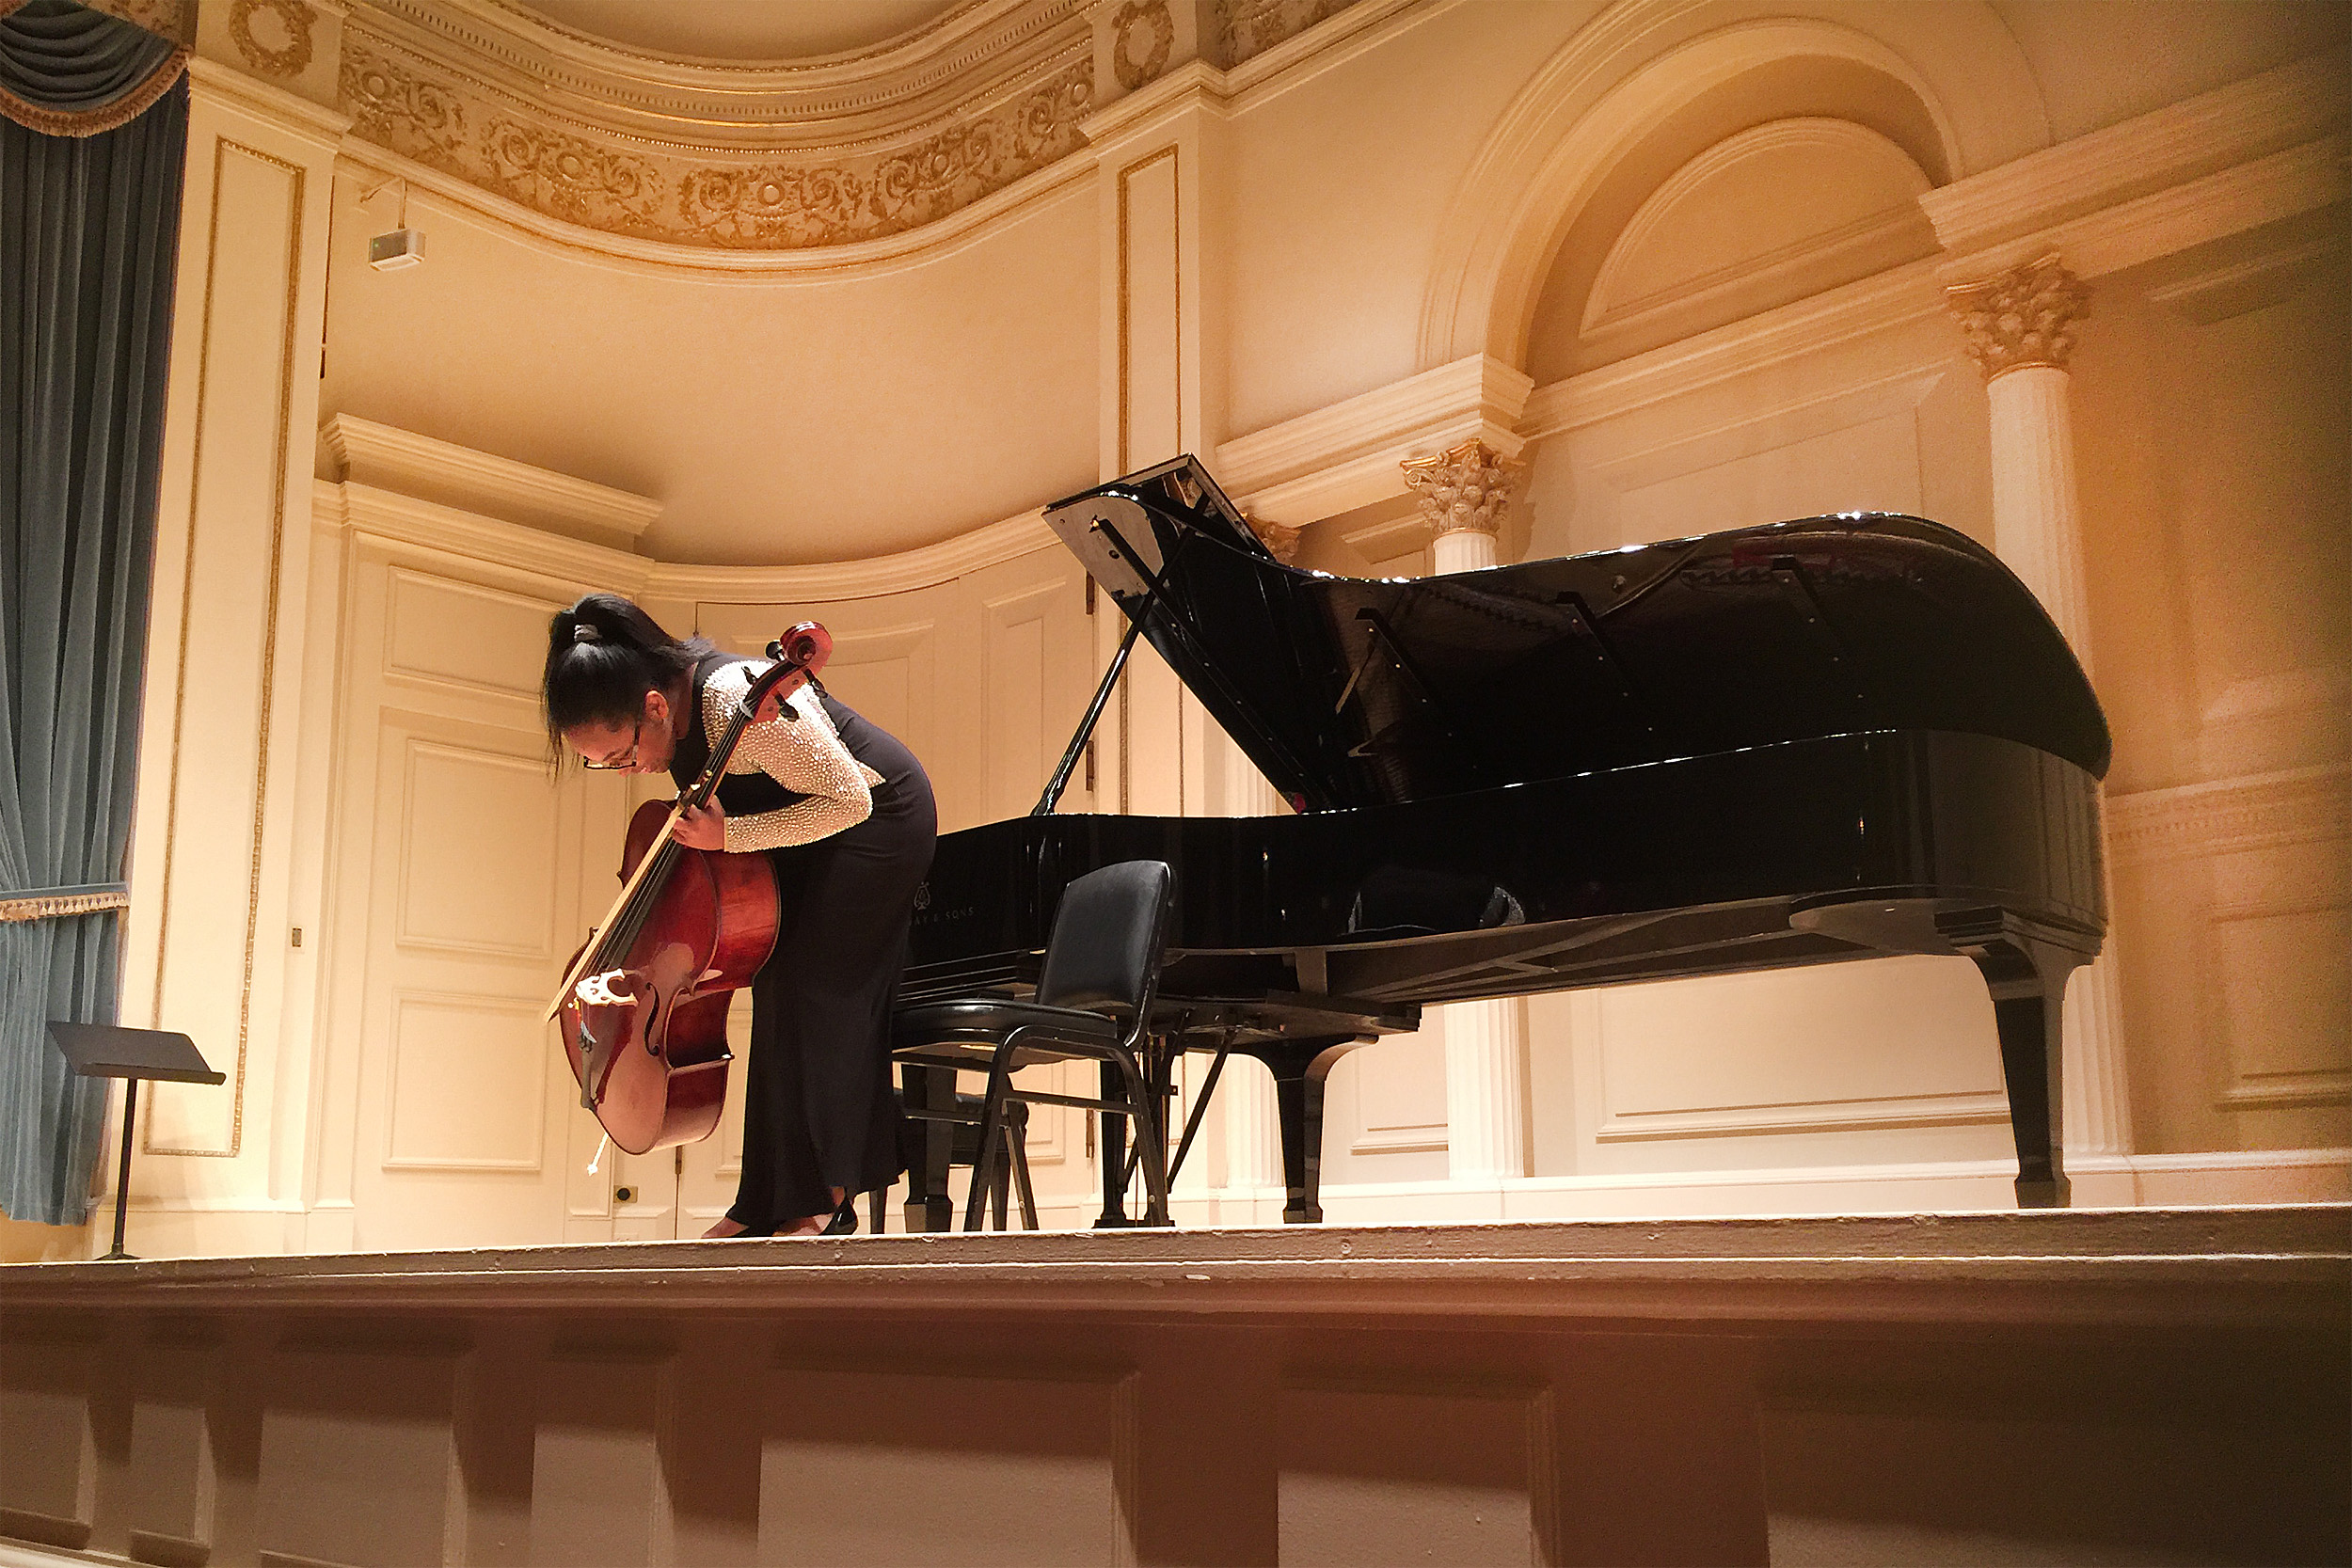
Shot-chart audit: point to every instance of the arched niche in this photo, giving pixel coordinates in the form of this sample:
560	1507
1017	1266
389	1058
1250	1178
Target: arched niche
1650	84
1765	215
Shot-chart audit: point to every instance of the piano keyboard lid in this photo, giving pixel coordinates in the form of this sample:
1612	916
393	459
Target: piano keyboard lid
1349	691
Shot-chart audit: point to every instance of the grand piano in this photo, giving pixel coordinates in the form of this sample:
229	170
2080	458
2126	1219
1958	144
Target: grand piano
1808	742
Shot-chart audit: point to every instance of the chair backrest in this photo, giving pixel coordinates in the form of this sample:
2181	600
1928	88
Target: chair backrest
1108	935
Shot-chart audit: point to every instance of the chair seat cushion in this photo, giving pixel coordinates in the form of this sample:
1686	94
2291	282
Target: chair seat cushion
989	1020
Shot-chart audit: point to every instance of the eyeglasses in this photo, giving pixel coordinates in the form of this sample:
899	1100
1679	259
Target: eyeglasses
626	759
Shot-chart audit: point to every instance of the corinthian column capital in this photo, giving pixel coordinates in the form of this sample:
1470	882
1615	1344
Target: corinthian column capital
1464	488
2024	316
1281	539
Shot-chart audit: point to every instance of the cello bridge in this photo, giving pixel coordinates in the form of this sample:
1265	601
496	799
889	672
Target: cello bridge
598	991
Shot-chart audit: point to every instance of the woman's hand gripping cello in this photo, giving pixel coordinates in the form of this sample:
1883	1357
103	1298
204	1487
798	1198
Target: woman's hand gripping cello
705	826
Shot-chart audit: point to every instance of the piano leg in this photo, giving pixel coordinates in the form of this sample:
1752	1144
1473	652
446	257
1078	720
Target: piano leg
1300	1068
932	1147
2027	974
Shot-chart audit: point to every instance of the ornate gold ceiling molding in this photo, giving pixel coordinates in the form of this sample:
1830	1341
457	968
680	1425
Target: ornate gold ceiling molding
1247	28
166	17
730	158
763	159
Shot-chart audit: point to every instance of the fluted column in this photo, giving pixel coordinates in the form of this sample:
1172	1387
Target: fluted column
2020	325
1462	492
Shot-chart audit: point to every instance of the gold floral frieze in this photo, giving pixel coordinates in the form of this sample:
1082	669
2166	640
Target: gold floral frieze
1246	28
649	190
168	18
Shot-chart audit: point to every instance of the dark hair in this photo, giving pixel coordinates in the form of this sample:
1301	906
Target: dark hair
604	654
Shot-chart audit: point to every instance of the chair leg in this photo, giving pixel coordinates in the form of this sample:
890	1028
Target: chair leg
1161	1088
992	1133
878	1208
1151	1142
1020	1175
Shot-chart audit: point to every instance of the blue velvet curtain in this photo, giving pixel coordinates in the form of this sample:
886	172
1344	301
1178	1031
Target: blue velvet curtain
93	140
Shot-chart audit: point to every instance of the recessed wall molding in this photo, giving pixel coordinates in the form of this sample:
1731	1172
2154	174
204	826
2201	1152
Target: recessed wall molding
1347	455
366	452
859	580
2286	184
1893	300
432	529
1611	304
444	524
2173	146
2304	805
2230	160
289	113
1828	1116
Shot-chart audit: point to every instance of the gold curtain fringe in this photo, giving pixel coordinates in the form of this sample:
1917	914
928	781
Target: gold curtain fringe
67	122
15	910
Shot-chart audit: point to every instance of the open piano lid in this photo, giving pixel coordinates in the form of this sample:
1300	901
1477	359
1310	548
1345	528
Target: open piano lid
1349	691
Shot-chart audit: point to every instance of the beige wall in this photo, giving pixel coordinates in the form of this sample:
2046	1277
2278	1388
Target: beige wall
1687	263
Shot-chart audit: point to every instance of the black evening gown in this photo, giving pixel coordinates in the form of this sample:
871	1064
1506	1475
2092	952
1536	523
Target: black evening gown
818	1109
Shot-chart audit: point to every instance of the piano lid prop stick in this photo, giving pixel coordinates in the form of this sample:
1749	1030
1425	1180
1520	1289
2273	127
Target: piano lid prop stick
1047	801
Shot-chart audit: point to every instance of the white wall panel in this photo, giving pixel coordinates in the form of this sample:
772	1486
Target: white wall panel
477	863
468	1084
504	640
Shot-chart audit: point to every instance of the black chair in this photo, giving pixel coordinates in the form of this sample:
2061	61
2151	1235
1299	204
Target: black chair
1094	1003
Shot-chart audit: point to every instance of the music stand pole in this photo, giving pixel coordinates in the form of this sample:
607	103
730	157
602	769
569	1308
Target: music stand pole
122	1171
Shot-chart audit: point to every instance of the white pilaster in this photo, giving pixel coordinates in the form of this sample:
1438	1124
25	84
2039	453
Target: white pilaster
1253	1133
2020	325
2037	526
1462	492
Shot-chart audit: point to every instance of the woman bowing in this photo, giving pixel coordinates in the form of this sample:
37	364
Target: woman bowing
846	815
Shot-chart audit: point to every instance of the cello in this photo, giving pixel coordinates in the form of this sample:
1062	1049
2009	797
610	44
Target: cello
643	1006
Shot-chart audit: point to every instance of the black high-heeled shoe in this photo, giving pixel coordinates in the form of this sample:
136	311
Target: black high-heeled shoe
844	1221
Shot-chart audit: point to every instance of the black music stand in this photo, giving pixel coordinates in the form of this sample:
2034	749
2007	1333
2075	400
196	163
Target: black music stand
104	1051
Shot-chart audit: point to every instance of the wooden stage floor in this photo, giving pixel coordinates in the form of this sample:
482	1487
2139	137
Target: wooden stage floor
2119	1385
